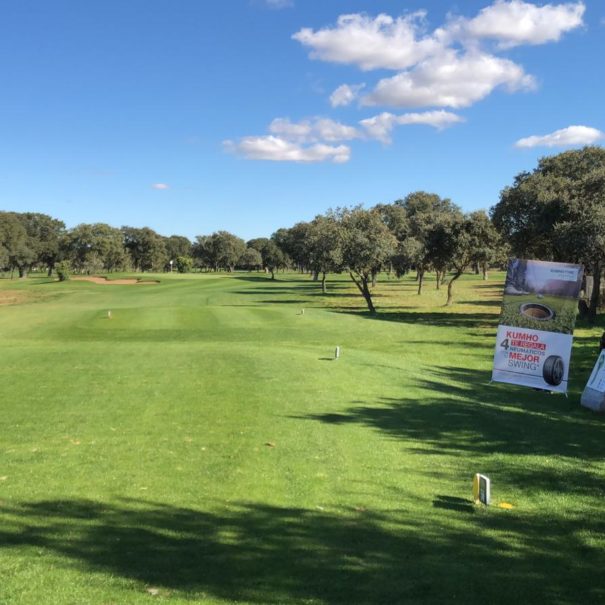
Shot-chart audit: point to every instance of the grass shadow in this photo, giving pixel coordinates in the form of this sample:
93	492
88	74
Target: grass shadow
459	411
259	553
455	504
445	319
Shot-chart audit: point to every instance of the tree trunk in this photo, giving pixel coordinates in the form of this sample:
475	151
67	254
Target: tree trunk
362	285
450	298
315	275
596	292
22	272
323	282
420	277
484	269
368	297
374	275
437	279
272	273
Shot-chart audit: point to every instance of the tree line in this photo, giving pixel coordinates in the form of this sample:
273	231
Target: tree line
555	212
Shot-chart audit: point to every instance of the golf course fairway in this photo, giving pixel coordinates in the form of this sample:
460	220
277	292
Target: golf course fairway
202	444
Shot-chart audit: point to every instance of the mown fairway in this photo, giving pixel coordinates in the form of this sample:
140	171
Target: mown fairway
201	445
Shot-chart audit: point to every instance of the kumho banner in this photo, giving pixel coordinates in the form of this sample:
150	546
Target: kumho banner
533	346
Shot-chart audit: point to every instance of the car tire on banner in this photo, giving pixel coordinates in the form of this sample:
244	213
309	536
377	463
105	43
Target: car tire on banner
553	370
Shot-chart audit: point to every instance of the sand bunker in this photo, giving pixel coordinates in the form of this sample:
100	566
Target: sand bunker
117	282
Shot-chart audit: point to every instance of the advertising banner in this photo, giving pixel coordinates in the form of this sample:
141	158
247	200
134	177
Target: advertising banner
533	344
593	396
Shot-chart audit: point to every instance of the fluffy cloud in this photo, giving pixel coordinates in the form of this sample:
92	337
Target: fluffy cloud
312	140
517	22
277	149
572	135
345	94
451	80
447	67
371	43
304	141
313	130
380	126
160	186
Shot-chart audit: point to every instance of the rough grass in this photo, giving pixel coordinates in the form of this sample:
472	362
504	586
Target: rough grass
202	446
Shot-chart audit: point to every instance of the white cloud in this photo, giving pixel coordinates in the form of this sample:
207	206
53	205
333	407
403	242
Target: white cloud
345	95
160	186
450	80
572	135
277	149
371	43
312	140
309	140
380	126
446	67
313	130
517	22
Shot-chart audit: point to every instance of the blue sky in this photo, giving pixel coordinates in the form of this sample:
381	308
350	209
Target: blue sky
190	116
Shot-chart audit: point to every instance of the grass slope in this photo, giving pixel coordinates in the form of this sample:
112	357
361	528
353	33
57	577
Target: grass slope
202	446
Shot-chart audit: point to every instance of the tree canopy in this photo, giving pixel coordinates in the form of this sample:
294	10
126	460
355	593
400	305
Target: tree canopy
554	212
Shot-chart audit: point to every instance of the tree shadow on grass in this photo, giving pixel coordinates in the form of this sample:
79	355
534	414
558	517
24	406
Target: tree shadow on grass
275	290
284	301
454	503
260	553
265	282
458	411
483	303
445	319
260	278
493	286
332	294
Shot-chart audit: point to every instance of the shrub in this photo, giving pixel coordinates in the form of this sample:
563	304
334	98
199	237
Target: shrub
184	264
63	270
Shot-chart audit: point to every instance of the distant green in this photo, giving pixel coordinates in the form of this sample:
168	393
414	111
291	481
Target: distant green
203	446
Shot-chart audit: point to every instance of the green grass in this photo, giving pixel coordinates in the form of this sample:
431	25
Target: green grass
565	310
202	446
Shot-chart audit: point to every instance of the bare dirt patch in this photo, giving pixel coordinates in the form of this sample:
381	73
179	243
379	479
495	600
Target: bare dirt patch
116	282
13	298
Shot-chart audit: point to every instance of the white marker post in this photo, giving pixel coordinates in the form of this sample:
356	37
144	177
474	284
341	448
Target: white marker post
482	489
337	353
171	266
108	314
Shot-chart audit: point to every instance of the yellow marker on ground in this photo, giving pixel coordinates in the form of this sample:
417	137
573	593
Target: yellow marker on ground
505	505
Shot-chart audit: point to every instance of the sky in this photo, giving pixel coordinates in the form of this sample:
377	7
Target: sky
192	116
